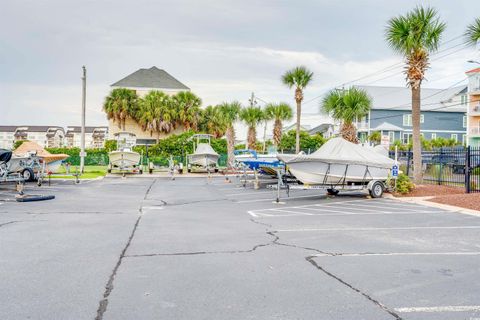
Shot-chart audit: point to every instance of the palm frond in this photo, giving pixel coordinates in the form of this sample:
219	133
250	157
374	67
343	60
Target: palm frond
472	35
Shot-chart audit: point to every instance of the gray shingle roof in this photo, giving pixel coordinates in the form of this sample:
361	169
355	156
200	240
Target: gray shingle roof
151	78
400	98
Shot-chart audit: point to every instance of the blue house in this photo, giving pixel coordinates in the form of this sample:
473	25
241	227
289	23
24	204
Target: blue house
443	113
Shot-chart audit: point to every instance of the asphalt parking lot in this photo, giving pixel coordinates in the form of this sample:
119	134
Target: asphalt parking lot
198	248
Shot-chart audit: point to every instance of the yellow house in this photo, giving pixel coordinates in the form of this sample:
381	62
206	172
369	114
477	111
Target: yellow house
474	107
142	81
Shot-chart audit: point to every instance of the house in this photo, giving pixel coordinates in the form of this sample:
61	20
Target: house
94	137
327	130
142	81
473	122
45	136
443	113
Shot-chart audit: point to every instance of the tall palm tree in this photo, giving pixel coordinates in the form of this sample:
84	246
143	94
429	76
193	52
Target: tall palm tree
299	78
230	112
472	34
188	109
121	104
347	106
156	113
252	116
212	121
415	36
278	112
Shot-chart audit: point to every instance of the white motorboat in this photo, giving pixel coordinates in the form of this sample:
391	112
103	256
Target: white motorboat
338	162
124	158
204	156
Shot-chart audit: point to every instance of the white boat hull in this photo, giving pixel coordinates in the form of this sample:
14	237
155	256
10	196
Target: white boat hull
203	160
124	160
310	172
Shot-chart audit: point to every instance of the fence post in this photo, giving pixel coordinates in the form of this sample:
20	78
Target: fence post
467	171
409	157
440	169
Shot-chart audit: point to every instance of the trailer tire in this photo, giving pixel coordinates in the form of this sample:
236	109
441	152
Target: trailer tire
332	192
376	191
28	174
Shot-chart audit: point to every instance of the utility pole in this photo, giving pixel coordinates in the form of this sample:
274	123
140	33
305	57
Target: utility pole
82	141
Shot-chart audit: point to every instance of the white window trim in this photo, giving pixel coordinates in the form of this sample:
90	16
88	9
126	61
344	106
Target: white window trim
434	135
454	136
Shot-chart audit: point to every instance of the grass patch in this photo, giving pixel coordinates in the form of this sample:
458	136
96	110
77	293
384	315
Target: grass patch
90	172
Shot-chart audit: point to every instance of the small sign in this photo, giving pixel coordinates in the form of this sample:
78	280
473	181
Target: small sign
83	154
395	171
385	141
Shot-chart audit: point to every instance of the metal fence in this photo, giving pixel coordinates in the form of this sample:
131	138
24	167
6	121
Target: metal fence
457	167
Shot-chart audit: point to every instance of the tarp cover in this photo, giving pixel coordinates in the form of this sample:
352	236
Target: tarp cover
338	150
30	146
205	148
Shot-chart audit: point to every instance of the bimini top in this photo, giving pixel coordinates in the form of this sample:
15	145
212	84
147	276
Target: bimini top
205	148
338	150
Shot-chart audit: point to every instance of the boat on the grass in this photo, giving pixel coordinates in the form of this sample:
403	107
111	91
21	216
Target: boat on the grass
204	156
124	158
338	162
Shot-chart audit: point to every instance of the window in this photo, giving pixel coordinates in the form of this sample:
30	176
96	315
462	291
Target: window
407	119
464	99
407	137
434	136
454	136
391	136
464	121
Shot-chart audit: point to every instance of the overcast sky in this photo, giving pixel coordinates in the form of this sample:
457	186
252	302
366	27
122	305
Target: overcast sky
222	50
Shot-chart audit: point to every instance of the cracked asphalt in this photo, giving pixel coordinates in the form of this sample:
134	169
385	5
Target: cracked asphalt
198	248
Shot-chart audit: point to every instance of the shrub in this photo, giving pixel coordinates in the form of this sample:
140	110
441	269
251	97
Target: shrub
404	184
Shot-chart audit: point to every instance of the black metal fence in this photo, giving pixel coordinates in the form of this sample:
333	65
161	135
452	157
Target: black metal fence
457	167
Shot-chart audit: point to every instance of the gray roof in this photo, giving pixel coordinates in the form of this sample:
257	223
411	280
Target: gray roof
321	128
400	98
88	129
150	78
387	126
29	128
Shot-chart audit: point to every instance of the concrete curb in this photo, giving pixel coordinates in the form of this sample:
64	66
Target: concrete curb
424	201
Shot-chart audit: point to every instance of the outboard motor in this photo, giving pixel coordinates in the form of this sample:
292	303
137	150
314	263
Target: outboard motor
5	156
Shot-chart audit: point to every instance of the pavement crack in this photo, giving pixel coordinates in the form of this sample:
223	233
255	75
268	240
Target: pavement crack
311	260
9	222
102	305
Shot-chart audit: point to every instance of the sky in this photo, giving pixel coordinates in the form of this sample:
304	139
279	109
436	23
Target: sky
222	50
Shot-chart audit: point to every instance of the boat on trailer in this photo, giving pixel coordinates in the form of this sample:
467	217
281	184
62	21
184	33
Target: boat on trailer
204	158
124	158
256	161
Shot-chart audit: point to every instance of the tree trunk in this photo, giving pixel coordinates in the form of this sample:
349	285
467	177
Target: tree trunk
252	138
277	132
349	132
417	146
230	146
297	133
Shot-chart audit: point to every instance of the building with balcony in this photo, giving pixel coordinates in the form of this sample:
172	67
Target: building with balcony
45	136
95	137
473	114
443	113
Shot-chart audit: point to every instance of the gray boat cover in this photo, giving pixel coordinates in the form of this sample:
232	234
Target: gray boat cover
340	151
205	148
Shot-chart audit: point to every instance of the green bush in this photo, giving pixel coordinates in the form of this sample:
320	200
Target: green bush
404	184
307	142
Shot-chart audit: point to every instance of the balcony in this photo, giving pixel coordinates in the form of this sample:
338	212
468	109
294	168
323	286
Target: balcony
362	126
475	131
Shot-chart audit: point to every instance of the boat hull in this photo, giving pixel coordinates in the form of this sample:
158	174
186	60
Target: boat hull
124	160
310	172
203	160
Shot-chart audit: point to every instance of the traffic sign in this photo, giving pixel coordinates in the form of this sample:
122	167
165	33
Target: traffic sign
395	171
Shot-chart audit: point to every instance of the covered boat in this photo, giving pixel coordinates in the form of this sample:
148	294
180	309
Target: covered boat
339	162
204	157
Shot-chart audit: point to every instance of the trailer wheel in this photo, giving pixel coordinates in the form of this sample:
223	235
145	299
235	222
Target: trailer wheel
109	170
332	192
377	190
28	174
216	170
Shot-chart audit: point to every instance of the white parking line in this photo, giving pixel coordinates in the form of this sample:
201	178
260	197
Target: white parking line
376	229
439	309
272	198
392	254
248	193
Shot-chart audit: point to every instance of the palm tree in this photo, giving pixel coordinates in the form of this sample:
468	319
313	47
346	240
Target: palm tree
415	36
120	104
252	116
278	112
299	78
472	34
230	112
156	113
347	106
212	121
188	109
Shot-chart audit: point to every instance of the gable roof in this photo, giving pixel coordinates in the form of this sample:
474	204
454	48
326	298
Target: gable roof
150	78
400	98
321	128
387	126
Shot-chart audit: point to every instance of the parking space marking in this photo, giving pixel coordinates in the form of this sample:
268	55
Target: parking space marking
439	309
273	198
377	229
248	193
392	254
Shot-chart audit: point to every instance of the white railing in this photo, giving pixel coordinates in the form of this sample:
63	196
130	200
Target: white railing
475	131
361	125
